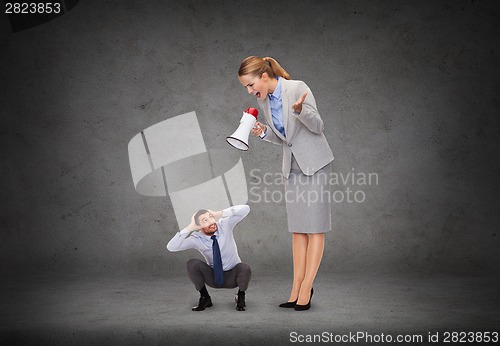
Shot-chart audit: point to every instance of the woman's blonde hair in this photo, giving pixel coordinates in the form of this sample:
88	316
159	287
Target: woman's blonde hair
256	66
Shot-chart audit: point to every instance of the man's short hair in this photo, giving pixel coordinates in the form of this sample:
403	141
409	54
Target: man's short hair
198	214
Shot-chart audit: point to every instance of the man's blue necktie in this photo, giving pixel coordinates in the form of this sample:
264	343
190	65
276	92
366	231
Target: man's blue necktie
218	271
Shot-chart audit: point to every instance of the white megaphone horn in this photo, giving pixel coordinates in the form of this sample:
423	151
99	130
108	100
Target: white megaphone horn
239	139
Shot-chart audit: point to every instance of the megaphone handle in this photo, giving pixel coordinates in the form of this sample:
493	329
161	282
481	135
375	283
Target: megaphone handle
263	133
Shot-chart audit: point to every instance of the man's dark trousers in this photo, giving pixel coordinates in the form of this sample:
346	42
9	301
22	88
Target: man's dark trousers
202	274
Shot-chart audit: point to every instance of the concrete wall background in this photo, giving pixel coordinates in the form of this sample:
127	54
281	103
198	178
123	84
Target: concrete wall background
407	90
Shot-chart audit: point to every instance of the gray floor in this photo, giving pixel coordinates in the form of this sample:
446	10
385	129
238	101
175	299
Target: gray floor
155	309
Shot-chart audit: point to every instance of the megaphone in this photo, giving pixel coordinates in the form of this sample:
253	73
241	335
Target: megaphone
239	139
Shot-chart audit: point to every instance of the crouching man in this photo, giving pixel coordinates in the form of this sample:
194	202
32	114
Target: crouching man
211	233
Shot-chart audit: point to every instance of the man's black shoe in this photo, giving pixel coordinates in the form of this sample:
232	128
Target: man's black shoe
205	302
240	302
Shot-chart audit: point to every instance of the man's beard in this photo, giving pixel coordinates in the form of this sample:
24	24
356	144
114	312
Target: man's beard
208	231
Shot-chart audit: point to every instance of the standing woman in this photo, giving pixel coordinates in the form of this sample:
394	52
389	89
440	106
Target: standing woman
295	124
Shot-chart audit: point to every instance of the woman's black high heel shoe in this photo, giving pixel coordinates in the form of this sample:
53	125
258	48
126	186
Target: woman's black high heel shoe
298	307
289	304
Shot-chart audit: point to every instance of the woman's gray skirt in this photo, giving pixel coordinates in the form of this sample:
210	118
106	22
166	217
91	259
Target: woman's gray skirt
308	200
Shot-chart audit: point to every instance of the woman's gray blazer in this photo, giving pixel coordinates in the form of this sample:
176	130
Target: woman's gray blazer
304	131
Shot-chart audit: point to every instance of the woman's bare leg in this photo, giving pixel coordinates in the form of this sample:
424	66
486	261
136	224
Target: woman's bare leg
315	247
299	248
